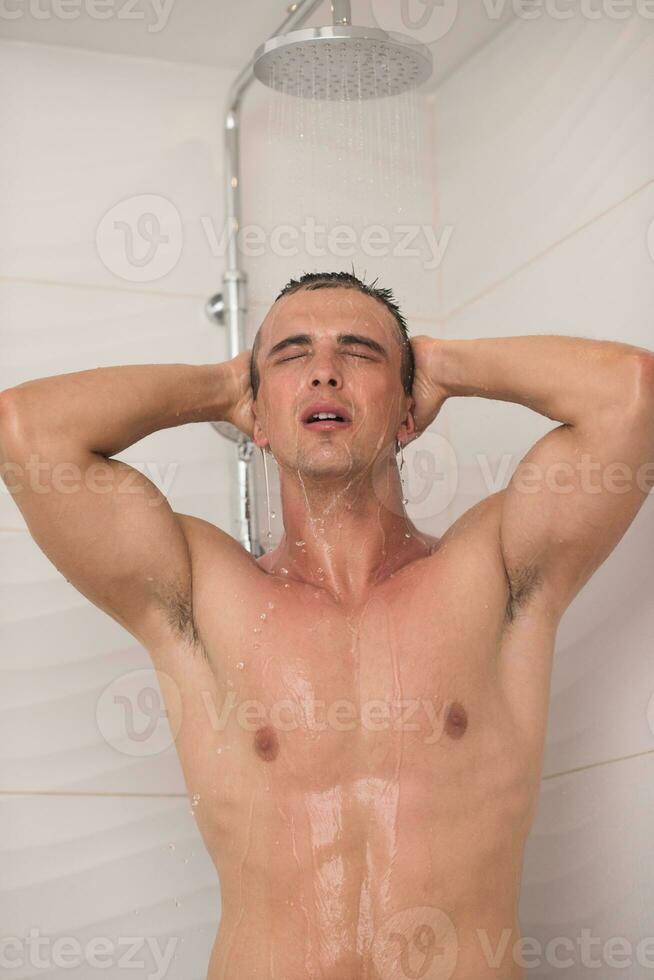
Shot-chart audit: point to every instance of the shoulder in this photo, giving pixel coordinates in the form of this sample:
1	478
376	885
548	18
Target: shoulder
209	548
201	535
526	580
480	526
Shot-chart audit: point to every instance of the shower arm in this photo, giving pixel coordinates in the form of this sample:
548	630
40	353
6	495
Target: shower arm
229	308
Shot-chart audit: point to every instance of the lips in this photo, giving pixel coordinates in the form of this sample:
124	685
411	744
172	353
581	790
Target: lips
326	424
318	408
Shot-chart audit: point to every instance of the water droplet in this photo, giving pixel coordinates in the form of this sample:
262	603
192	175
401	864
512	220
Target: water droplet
284	571
257	629
172	847
262	616
271	605
178	904
240	665
300	543
407	535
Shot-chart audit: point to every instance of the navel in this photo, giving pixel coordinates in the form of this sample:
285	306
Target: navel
266	743
456	721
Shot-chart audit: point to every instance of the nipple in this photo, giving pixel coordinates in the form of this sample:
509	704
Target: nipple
266	743
456	721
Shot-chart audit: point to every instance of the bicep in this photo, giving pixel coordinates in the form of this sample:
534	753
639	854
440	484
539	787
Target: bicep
572	498
109	530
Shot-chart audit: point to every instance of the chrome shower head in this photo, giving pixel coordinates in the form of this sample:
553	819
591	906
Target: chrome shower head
342	63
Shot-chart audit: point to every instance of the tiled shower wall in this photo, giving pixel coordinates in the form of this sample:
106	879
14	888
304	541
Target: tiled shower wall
544	168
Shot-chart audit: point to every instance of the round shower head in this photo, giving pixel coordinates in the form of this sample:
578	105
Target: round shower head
342	63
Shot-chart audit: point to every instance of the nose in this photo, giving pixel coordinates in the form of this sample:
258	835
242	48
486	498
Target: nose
324	371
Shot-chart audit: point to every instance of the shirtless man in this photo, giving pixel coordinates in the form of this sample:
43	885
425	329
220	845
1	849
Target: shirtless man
363	708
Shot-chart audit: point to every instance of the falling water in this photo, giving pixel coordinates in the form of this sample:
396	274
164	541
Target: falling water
345	159
268	543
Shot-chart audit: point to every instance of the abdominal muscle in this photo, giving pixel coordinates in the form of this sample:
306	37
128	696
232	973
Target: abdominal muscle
369	878
367	855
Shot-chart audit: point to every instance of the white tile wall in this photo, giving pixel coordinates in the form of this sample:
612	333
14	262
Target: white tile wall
550	126
544	165
589	873
133	871
85	829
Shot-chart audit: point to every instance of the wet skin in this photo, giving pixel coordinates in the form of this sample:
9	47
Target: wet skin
364	706
367	771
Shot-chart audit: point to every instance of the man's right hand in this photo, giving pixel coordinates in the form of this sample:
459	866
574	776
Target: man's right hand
240	411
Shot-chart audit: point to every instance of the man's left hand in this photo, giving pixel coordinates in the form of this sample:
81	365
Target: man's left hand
429	395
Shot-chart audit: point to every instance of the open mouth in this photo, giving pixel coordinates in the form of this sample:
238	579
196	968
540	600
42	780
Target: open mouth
325	421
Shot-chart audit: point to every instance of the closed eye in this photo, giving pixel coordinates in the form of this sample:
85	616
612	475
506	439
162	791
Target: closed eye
295	357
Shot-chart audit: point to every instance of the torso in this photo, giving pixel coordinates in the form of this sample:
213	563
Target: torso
365	776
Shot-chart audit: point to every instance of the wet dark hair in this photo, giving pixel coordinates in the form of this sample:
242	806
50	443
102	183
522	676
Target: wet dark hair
346	280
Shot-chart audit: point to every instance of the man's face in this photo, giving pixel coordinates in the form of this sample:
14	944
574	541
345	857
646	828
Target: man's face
338	346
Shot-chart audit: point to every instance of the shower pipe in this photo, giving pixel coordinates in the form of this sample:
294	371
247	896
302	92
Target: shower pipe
229	308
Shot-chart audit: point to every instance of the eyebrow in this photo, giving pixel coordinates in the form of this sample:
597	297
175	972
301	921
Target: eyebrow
343	339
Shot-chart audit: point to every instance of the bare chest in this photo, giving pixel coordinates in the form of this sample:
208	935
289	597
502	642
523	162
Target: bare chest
322	690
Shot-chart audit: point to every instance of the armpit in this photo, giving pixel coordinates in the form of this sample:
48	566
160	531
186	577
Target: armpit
177	604
524	583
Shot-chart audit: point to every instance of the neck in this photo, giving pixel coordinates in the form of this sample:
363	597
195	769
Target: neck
344	535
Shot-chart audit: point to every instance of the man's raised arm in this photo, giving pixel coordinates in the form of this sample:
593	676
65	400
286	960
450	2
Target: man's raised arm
575	493
102	523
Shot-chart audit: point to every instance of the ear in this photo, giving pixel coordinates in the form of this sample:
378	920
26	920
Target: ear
259	437
407	431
